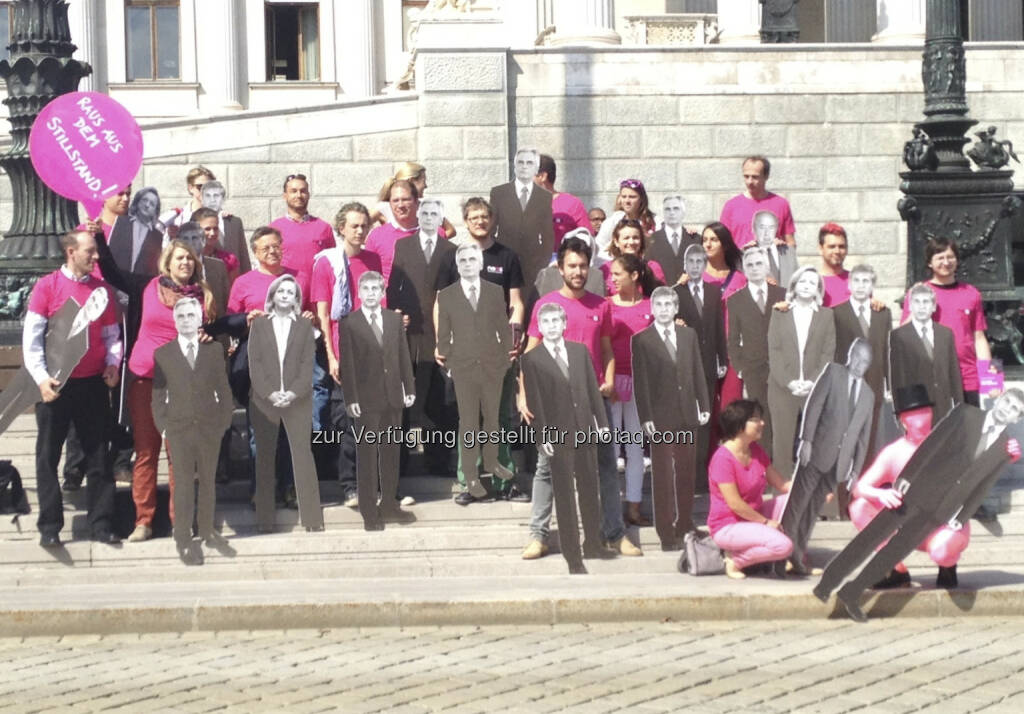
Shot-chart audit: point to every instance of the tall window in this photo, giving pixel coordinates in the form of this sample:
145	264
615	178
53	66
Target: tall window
6	18
293	40
154	39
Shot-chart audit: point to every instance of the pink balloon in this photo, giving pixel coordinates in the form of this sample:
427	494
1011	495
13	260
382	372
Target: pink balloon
86	147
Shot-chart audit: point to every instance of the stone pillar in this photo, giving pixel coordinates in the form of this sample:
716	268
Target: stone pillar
739	22
83	18
900	22
585	22
220	65
849	21
995	21
357	61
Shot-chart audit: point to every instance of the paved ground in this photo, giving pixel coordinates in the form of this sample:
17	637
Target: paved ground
933	665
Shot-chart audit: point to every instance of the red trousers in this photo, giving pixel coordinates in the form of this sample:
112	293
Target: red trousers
147	452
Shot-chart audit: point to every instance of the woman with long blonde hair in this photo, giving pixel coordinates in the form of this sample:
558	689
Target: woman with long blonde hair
416	174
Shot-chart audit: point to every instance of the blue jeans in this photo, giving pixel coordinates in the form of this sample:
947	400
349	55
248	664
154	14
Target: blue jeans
612	526
322	383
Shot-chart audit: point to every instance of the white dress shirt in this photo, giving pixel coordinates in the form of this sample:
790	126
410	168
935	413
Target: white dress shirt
560	344
802	316
368	313
519	189
184	342
282	328
466	284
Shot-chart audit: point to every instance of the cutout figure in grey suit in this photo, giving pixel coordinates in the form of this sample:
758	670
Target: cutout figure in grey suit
834	439
522	216
192	406
377	376
672	400
282	396
922	351
474	341
214	270
792	371
232	232
781	257
667	246
562	392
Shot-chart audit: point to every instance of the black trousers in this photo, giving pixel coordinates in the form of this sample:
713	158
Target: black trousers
810	487
341	424
85	403
377	464
577	467
195	466
117	435
673	468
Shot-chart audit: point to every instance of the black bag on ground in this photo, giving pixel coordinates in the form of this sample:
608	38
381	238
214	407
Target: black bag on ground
12	494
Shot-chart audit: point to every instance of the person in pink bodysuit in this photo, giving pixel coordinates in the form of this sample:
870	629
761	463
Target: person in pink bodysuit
873	491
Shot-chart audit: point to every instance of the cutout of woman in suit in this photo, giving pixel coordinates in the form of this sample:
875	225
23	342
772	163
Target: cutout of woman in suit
281	353
801	342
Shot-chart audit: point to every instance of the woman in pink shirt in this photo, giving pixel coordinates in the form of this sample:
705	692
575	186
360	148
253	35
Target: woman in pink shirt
631	313
628	239
743	524
181	275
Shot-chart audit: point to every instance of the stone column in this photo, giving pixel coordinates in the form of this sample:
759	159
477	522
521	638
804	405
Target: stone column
220	65
900	22
82	19
585	22
995	20
357	61
739	21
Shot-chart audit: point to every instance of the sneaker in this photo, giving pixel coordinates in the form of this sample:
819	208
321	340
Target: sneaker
407	501
624	546
72	482
535	549
515	495
351	500
465	498
142	532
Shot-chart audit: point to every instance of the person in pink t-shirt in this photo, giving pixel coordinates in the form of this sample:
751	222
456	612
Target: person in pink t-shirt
742	523
958	307
738	212
302	234
249	291
404	199
567	211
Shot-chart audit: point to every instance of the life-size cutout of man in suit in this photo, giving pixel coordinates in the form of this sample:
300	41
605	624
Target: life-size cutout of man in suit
791	374
944	482
377	374
232	233
750	314
922	351
562	392
700	307
282	394
672	398
667	246
781	257
474	341
856	320
411	289
834	437
192	405
135	243
522	216
214	271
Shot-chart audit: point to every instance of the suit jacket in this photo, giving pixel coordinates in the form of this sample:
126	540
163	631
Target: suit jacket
411	290
529	233
909	364
191	400
478	339
787	264
748	330
660	251
944	477
148	261
709	325
233	241
265	368
783	356
666	392
559	403
836	438
373	376
848	329
216	274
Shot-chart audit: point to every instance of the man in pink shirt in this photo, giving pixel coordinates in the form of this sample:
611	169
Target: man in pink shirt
404	199
738	212
302	234
567	211
832	245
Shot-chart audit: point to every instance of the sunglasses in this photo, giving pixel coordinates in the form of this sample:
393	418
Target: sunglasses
633	184
289	177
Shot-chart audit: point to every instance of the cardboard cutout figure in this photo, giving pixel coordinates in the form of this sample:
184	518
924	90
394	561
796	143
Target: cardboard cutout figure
232	232
750	314
214	271
923	351
667	246
522	216
136	243
67	341
281	354
700	307
856	320
834	437
792	370
376	374
672	400
944	482
781	258
192	407
473	341
873	492
569	417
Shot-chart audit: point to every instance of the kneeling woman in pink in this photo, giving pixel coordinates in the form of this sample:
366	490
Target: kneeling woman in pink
874	491
181	275
743	524
628	239
631	313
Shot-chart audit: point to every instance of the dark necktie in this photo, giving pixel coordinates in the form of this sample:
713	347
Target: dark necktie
428	249
190	355
853	397
563	366
674	240
375	328
472	297
761	299
926	338
773	264
864	325
668	344
524	197
697	300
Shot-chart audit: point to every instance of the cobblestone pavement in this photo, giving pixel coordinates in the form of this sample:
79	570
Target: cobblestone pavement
933	665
